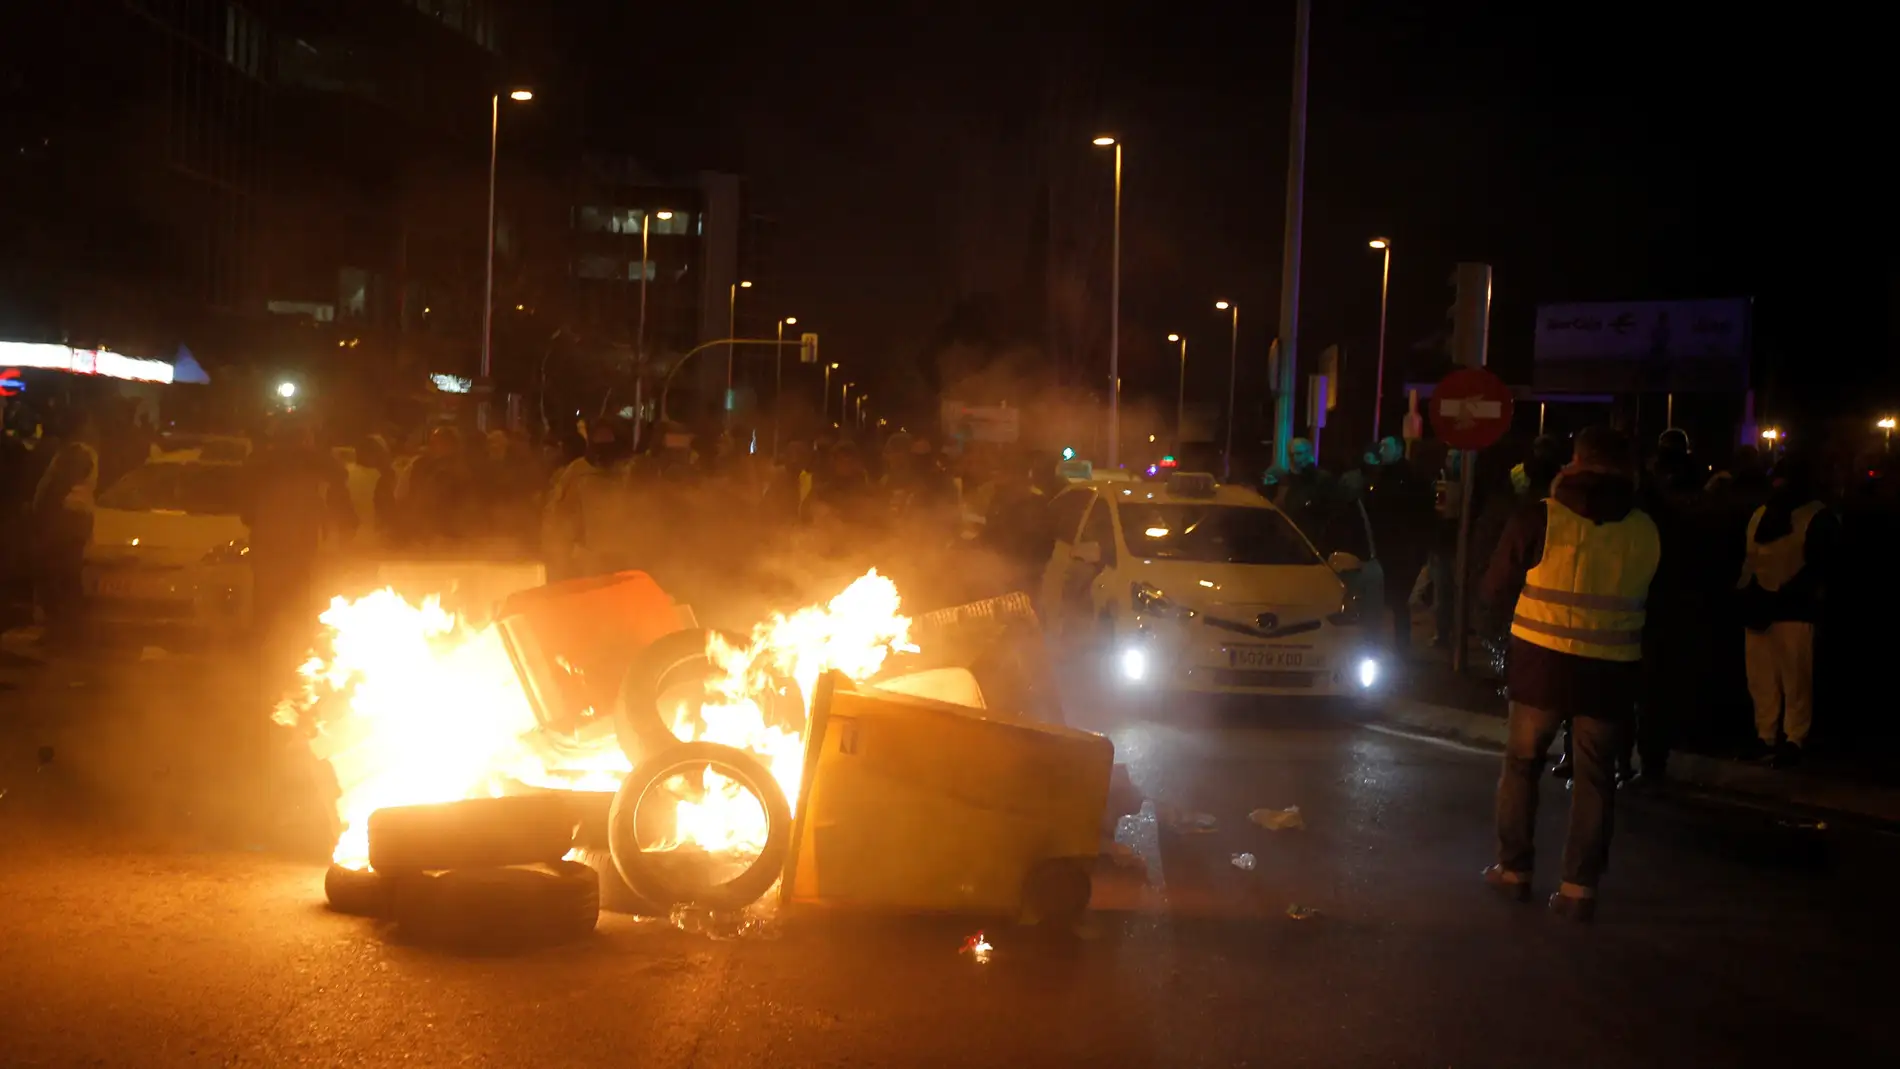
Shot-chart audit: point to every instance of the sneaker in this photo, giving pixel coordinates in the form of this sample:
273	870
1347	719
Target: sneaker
1513	885
1787	755
1577	908
1757	750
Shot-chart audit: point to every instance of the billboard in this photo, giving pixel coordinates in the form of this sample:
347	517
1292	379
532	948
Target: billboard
1643	346
981	423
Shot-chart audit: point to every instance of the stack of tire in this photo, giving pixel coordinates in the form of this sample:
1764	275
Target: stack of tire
477	874
492	873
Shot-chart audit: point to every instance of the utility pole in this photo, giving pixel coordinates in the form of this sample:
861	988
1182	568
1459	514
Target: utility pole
1290	249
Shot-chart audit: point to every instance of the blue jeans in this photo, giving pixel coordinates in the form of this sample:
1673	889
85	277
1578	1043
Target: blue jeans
1595	743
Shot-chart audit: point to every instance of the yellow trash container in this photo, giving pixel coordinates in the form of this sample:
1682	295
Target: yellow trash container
913	804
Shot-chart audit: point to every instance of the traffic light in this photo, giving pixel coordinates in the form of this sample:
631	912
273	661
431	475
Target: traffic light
1470	314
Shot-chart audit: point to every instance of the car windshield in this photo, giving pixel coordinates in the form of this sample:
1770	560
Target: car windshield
1223	534
199	489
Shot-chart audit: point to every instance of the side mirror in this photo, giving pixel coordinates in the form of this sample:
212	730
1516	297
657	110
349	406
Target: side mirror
1344	563
1087	552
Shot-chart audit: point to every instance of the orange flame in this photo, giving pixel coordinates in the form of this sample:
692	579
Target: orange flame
413	706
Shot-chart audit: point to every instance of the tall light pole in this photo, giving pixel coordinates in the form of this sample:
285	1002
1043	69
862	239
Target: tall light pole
824	401
844	403
1180	401
1887	425
1233	364
488	285
778	381
1290	247
732	331
640	335
1384	245
1115	316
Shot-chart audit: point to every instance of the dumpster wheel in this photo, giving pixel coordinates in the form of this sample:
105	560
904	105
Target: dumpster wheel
646	872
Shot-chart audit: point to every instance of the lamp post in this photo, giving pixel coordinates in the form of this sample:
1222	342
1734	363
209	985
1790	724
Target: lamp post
1290	245
488	285
844	403
1233	362
778	381
640	334
1384	245
1115	315
1887	425
1180	401
732	331
824	401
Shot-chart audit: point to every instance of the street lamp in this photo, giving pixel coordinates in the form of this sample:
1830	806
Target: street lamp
286	390
1887	425
1384	245
732	331
778	381
824	399
1233	361
488	286
844	401
1180	402
1115	314
640	336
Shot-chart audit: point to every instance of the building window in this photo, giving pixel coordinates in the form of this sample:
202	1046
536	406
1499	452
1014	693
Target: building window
617	268
243	39
593	219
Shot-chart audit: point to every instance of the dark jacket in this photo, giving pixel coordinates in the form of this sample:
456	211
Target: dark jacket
1563	683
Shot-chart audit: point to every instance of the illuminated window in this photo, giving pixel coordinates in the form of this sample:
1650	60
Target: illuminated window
612	267
595	219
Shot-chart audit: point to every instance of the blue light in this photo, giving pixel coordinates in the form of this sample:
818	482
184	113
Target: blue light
1068	452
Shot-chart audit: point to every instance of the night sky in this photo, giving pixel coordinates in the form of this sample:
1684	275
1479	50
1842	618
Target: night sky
1593	153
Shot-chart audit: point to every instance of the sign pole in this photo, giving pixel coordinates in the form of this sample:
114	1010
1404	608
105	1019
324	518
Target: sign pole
1461	566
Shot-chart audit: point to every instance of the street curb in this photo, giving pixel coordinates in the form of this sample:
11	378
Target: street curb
1699	770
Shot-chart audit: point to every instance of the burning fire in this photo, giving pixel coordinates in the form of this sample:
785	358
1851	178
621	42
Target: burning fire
410	705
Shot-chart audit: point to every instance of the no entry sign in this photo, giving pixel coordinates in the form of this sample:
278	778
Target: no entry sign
1471	408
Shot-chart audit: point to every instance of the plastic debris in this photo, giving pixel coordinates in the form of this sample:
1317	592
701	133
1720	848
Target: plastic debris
1278	819
720	925
1301	913
978	948
1243	862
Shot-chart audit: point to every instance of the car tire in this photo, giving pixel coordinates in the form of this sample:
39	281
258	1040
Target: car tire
502	908
357	892
648	872
672	659
474	833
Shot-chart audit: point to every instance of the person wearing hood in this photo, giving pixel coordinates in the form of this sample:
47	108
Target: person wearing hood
1577	567
1789	547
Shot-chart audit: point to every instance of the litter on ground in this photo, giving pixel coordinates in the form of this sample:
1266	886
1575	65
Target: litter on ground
1278	819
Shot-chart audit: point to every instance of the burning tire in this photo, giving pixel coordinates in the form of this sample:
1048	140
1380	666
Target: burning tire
476	833
503	908
672	660
358	892
671	877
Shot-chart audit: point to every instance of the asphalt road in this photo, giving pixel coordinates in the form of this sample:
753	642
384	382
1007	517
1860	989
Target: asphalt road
154	911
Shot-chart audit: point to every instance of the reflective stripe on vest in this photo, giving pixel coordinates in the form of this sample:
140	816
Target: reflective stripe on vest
1774	564
1587	593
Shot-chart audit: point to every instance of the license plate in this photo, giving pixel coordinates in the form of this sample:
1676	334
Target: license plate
1268	657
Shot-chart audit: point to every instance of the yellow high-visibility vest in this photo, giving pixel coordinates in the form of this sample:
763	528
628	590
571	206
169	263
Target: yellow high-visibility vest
1586	595
1773	564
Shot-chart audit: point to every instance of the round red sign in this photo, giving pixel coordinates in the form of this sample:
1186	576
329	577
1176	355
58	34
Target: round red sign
1471	408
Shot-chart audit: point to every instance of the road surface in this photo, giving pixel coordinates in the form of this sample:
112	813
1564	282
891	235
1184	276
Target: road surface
161	909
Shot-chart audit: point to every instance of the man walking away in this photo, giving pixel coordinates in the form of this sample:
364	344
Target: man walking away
1577	566
1789	544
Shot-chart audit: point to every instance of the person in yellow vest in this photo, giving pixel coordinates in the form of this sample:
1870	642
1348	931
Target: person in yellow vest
1575	567
1789	543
